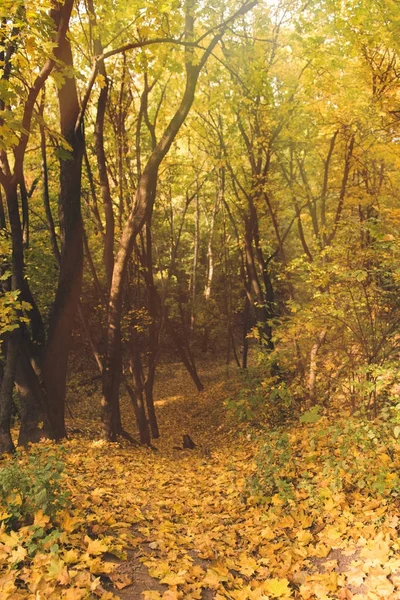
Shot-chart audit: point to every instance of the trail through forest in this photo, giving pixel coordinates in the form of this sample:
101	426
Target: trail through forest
187	524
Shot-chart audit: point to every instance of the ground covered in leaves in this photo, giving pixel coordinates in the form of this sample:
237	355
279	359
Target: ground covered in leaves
246	515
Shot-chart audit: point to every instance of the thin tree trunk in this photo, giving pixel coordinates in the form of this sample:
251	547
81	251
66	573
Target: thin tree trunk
45	187
141	417
101	157
246	317
210	255
154	335
184	355
193	286
312	377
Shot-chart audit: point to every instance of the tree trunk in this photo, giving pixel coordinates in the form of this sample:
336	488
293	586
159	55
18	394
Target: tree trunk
140	408
34	422
6	393
70	276
154	334
312	378
246	317
193	283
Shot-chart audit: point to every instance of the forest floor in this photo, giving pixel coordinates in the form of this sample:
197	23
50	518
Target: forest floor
163	523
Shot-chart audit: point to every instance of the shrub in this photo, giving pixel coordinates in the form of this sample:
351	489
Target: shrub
342	456
29	483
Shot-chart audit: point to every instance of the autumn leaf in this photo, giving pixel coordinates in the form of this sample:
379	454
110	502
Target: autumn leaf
151	595
277	587
18	555
95	547
174	578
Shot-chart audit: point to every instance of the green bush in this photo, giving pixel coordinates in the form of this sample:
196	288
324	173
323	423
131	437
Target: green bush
346	456
29	483
263	400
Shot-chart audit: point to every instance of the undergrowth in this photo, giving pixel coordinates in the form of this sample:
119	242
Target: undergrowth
314	461
30	483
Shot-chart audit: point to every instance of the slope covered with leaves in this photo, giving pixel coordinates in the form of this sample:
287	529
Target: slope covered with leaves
307	512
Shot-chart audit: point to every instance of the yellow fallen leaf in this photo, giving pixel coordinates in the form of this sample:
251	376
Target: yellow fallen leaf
122	581
151	595
248	565
287	522
174	578
170	595
68	522
267	533
17	555
41	520
95	547
70	557
277	587
304	537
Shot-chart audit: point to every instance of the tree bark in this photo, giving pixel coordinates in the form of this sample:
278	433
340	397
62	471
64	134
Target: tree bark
312	378
66	301
6	394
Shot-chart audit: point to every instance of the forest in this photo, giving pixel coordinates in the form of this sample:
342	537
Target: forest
199	299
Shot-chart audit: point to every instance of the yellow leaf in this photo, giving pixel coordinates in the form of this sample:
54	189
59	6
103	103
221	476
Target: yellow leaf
247	565
158	569
17	555
174	578
41	520
11	540
286	522
267	533
197	571
277	587
70	557
170	595
95	547
304	537
151	595
212	579
122	581
68	522
100	79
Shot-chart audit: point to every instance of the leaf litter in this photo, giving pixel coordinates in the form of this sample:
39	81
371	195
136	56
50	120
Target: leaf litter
167	524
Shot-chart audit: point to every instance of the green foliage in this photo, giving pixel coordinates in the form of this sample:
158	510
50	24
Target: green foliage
311	416
275	468
12	312
29	484
346	456
266	401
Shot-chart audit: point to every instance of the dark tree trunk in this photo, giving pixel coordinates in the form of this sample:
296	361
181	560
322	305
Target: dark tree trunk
34	421
101	156
10	182
154	334
6	394
140	408
70	277
184	355
45	189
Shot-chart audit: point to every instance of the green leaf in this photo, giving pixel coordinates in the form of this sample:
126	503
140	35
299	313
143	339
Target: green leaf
312	416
